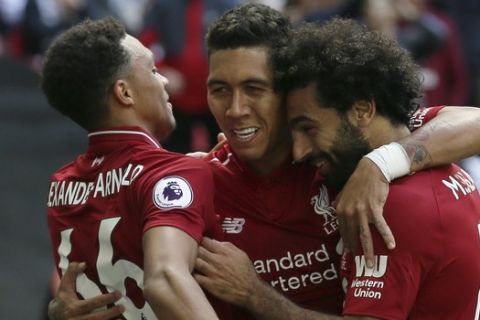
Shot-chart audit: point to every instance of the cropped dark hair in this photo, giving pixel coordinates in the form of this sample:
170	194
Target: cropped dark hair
248	25
80	68
349	63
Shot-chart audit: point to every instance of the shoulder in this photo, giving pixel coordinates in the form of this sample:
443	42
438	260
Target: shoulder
176	181
418	184
429	184
63	172
419	205
164	169
163	160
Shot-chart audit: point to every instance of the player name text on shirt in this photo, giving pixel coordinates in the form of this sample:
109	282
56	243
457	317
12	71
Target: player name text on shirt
460	184
67	193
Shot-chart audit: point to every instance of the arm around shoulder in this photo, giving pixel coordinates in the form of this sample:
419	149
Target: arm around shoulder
450	136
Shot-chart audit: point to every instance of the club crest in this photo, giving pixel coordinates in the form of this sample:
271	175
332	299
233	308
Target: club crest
321	206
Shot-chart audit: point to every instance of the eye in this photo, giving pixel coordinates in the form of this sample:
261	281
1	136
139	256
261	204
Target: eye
252	89
155	70
217	89
308	130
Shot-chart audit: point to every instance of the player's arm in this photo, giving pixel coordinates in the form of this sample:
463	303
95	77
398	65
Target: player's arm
169	256
227	272
451	136
67	306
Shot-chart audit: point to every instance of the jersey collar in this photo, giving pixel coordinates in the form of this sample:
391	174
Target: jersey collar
114	136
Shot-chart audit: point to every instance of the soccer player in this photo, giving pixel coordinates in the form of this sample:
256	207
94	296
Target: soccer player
279	212
433	273
131	210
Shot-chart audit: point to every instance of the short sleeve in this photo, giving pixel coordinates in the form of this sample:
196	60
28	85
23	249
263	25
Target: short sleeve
422	116
181	198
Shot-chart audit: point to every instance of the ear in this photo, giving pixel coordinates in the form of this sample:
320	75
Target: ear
122	92
362	113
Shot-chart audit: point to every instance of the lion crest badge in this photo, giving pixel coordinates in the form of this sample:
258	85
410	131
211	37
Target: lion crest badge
321	206
172	192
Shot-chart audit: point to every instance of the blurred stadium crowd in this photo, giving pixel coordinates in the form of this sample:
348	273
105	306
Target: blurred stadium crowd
442	36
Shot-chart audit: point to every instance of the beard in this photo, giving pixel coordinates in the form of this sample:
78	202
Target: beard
348	149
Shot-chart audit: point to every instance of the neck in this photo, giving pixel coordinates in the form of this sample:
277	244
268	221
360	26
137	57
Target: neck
127	117
267	165
384	132
272	160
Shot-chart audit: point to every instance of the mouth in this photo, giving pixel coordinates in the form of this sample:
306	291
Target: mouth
323	165
245	134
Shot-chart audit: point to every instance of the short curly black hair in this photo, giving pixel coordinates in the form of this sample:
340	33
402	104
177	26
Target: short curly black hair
249	25
80	67
348	63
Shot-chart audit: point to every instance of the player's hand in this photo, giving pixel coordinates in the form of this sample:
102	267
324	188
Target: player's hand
221	140
225	271
67	305
361	202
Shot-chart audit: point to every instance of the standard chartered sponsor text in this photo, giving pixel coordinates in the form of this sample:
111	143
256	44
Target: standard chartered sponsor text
318	259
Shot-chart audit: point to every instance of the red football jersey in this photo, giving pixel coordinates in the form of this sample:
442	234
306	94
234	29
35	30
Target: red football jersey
286	225
434	272
100	205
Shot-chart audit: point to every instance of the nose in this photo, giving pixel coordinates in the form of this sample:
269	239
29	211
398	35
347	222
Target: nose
302	147
163	79
238	106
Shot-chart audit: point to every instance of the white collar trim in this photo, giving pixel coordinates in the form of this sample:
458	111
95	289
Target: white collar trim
99	133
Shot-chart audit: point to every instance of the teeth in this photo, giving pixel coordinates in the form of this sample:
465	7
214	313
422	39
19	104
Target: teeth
245	134
317	162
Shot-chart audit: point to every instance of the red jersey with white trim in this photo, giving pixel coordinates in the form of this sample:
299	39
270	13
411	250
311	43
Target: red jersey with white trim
434	272
100	205
286	225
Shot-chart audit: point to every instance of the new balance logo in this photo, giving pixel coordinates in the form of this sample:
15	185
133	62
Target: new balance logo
233	225
97	161
378	270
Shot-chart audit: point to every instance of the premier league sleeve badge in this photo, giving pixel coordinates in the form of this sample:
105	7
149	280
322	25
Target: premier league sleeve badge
172	192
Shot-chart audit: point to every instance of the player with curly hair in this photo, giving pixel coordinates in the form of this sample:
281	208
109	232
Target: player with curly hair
435	214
